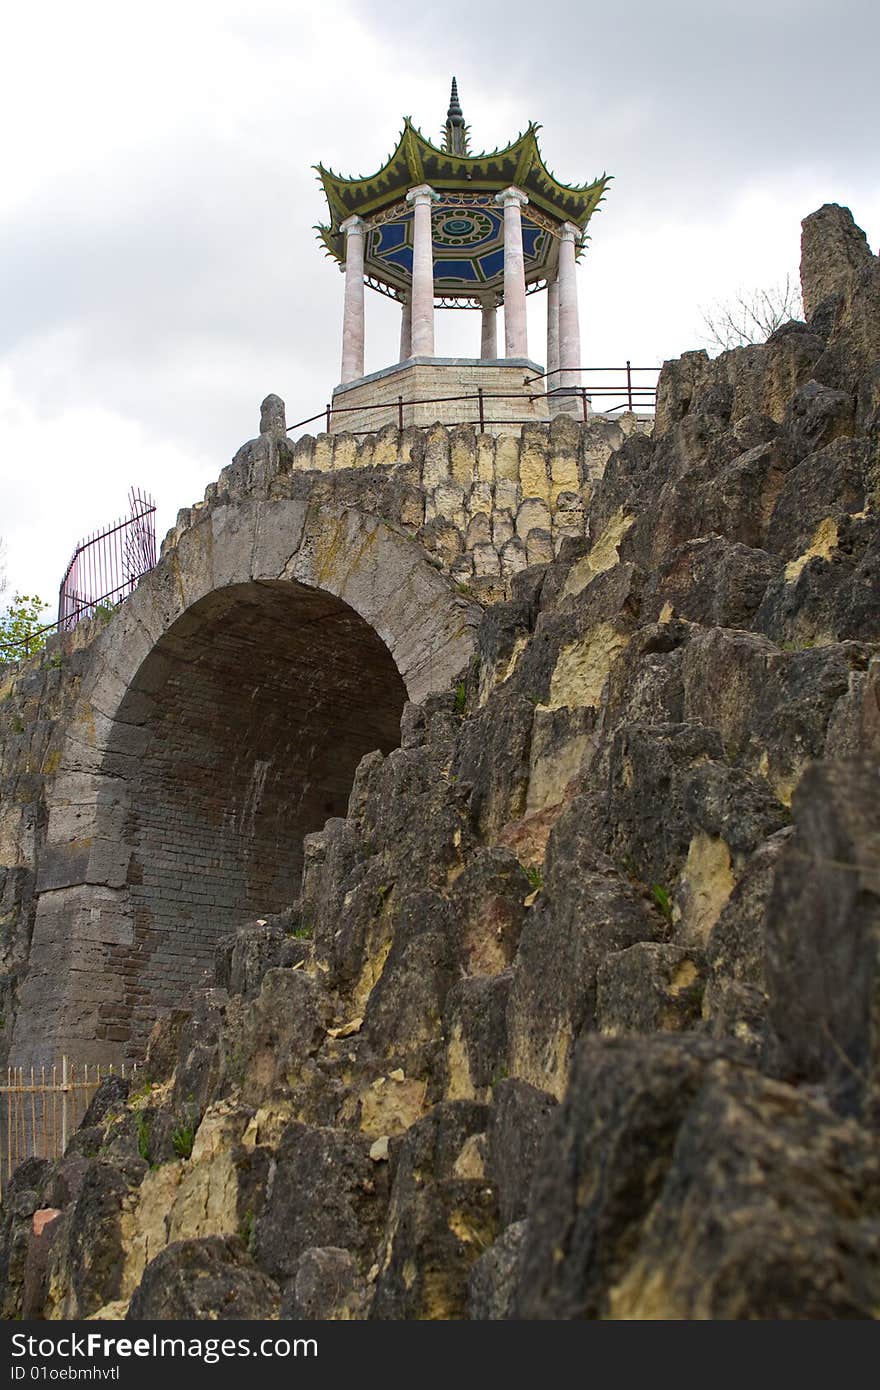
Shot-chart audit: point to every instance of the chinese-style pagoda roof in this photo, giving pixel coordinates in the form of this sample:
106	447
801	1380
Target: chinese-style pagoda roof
467	223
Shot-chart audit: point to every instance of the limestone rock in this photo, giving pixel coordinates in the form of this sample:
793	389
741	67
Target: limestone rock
833	252
521	1116
475	1036
87	1259
648	1203
648	988
493	1277
584	912
209	1278
735	1001
109	1096
822	926
324	1191
272	417
327	1286
438	1223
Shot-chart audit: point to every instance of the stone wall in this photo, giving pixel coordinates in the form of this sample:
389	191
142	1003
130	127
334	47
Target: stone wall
36	699
483	506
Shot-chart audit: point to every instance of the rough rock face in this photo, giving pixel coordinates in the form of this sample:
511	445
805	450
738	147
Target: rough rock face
577	1014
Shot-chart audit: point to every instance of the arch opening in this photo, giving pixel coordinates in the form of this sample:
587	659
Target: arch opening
251	714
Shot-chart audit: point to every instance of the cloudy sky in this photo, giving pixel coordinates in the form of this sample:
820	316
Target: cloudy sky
159	270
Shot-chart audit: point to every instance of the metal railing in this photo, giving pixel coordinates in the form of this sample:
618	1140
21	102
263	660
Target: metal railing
627	394
102	572
105	567
630	392
41	1107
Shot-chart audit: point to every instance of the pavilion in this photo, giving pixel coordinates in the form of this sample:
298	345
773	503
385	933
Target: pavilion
443	228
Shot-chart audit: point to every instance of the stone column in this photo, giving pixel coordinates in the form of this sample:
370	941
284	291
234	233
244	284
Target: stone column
552	332
489	327
569	323
406	328
422	299
515	333
353	314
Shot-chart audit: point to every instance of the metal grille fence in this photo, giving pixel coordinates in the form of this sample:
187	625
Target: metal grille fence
105	567
40	1107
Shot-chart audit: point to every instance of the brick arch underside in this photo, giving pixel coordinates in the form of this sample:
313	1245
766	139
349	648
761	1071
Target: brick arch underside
254	710
239	733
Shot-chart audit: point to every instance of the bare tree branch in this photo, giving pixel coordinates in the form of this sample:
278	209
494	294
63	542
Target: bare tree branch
751	315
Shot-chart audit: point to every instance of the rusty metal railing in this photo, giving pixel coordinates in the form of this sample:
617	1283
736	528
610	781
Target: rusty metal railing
40	1107
627	394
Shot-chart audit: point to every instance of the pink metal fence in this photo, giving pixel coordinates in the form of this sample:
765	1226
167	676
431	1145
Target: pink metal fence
105	567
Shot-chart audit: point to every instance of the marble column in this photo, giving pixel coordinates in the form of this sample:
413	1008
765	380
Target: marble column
515	333
569	323
405	328
552	332
489	327
422	298
353	313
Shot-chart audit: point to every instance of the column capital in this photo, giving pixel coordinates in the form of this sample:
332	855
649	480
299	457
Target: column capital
510	195
353	224
569	231
422	193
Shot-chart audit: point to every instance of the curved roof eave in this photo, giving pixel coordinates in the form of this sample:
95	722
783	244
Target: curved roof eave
406	166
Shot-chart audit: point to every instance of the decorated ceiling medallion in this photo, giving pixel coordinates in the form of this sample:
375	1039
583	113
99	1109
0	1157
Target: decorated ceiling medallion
467	248
452	227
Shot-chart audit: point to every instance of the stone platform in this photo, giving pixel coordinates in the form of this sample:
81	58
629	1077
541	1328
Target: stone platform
371	402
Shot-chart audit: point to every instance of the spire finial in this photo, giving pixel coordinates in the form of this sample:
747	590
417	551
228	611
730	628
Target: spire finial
456	130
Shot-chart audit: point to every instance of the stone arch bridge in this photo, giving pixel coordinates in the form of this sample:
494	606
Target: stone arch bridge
221	713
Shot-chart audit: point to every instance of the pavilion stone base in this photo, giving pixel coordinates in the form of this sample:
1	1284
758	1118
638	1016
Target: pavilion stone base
372	401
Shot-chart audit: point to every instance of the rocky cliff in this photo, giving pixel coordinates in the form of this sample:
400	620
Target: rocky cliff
578	1012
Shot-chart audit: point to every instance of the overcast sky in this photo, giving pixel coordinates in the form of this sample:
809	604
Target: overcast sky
159	270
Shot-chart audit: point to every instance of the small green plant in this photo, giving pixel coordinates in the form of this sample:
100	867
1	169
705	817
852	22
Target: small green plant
235	1067
246	1229
535	877
460	697
381	894
662	900
20	625
16	725
144	1134
304	932
182	1138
